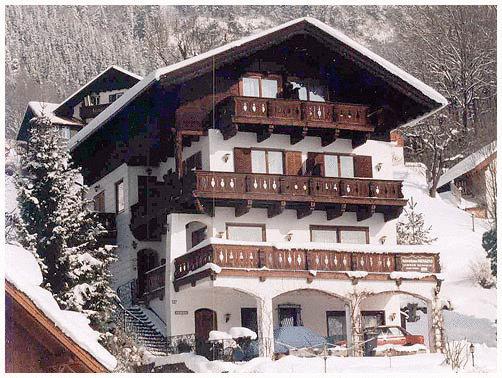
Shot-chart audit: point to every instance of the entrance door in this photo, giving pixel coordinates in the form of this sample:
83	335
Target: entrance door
337	326
205	322
147	260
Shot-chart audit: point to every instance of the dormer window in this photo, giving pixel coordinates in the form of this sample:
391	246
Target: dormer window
260	86
92	99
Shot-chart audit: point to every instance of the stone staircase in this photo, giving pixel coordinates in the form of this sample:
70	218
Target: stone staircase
140	326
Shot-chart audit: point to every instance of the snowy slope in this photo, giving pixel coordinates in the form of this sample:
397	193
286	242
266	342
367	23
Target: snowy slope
457	243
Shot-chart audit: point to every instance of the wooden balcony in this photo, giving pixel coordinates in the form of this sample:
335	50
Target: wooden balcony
155	282
293	117
92	110
108	220
302	193
268	260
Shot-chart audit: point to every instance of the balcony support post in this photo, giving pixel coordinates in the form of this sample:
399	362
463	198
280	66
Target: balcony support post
335	211
365	212
298	136
264	133
392	213
329	137
276	209
359	139
203	208
229	131
243	207
304	211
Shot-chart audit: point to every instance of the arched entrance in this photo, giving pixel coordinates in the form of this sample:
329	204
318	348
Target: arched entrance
147	260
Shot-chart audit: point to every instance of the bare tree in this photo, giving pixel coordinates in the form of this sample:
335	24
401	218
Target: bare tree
452	48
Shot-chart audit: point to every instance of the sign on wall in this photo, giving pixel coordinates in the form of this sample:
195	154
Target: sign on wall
180	312
423	264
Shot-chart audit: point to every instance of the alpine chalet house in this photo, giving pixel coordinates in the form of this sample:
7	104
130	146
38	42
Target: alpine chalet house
253	186
81	107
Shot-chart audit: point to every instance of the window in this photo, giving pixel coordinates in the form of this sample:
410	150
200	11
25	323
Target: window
373	319
337	326
265	161
353	236
65	132
113	97
290	315
99	202
246	232
257	86
339	234
119	196
198	236
306	90
338	166
319	234
249	318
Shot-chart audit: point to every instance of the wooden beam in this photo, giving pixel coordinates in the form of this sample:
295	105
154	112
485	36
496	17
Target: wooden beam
359	139
276	209
297	136
229	131
264	133
304	211
364	212
204	209
335	211
243	207
178	148
392	213
329	137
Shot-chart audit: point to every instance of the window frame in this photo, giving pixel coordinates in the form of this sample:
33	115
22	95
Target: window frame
267	150
99	196
257	225
290	79
117	184
338	229
339	164
260	77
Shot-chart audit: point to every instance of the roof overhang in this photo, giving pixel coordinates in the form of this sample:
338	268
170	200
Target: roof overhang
204	62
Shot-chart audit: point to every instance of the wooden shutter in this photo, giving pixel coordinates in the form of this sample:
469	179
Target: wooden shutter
242	160
293	163
315	164
363	166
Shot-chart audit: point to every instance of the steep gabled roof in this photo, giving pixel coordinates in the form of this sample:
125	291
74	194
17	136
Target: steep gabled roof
126	77
468	164
228	49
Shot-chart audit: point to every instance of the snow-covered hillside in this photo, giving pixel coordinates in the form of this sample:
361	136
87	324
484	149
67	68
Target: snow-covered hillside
474	308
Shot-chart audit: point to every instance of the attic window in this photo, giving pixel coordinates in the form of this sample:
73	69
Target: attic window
92	99
259	86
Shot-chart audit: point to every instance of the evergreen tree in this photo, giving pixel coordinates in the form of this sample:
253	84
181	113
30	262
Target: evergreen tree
490	245
413	230
58	225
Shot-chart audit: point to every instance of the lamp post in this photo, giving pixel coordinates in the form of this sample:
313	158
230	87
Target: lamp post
471	349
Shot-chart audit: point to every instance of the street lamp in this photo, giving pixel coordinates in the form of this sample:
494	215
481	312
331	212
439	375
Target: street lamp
471	349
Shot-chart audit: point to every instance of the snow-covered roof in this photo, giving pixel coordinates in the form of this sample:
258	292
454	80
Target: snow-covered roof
47	109
22	271
148	81
468	164
113	67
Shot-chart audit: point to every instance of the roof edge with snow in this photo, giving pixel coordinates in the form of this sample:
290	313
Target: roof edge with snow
148	81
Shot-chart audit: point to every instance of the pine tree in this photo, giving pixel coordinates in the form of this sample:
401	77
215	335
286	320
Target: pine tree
58	225
413	230
490	245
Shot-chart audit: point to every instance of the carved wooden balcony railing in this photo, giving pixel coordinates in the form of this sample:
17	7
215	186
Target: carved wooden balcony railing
309	118
155	282
248	257
92	111
336	195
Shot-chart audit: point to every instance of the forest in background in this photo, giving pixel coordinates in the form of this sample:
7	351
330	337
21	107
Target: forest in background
53	50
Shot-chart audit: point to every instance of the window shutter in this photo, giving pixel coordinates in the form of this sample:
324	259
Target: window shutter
242	160
315	164
293	161
363	166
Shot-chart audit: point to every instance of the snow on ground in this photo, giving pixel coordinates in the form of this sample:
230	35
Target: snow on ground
22	271
432	363
458	245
